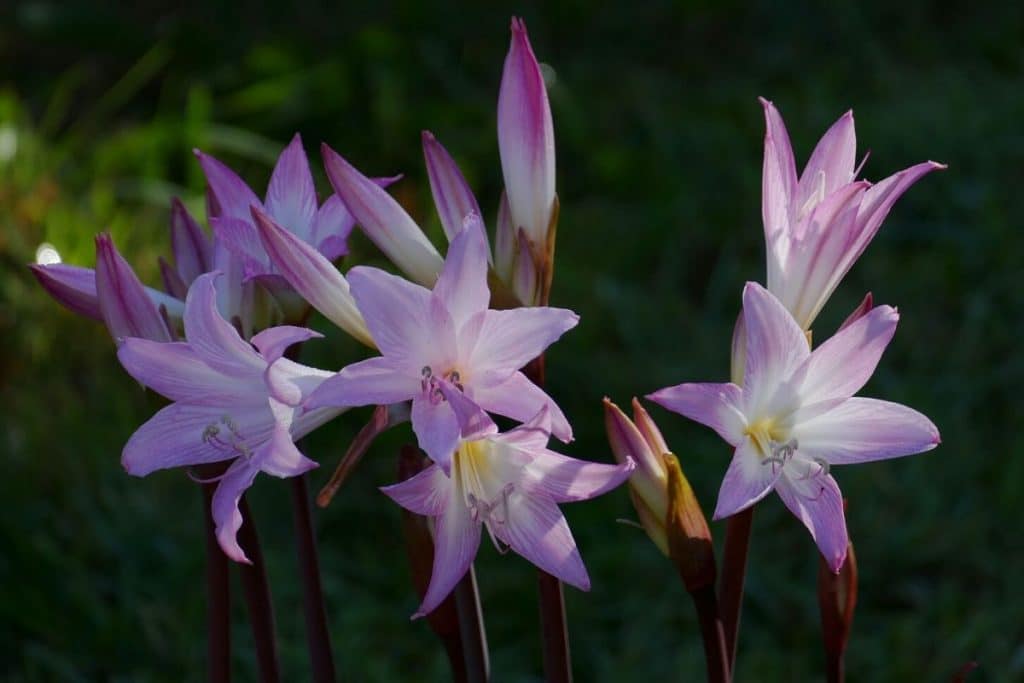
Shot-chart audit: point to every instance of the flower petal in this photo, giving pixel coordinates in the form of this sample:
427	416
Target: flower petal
331	228
174	370
776	346
845	362
718	406
537	530
865	429
519	398
73	287
291	197
564	479
510	339
437	429
452	196
832	163
281	458
313	277
814	497
375	381
231	194
127	309
779	178
504	240
462	284
193	250
426	493
456	540
241	238
184	434
474	423
383	220
226	515
273	341
212	337
748	480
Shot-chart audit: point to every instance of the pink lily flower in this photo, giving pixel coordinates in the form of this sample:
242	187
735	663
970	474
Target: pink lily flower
510	483
430	338
232	402
795	416
817	226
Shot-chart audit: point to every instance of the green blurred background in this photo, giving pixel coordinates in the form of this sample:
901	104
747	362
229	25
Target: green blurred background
659	139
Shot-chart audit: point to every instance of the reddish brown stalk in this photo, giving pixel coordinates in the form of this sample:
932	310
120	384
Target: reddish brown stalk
256	588
218	588
734	572
356	450
837	599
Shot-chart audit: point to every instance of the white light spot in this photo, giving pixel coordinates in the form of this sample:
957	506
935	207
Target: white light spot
47	254
8	143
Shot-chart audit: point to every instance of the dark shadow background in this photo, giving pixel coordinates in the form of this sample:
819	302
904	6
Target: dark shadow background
659	139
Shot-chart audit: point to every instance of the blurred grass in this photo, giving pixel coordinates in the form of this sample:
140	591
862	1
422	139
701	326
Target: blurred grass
659	143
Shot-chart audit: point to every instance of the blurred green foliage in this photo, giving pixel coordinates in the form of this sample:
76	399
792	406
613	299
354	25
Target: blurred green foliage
659	142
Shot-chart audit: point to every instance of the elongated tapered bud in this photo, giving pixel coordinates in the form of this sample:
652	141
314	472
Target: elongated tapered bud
526	139
452	195
689	539
383	220
193	250
126	307
73	287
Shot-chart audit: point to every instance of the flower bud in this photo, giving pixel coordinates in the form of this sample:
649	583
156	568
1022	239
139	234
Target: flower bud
127	309
689	539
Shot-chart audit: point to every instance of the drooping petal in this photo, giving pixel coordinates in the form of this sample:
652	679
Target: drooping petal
242	239
719	406
281	458
474	423
226	516
73	287
193	250
396	311
436	427
845	362
881	197
174	370
291	197
565	480
375	381
383	220
776	346
832	163
292	383
272	342
748	480
313	276
426	493
127	309
510	339
456	540
185	434
233	197
212	337
526	138
814	497
865	429
537	530
452	196
519	398
462	284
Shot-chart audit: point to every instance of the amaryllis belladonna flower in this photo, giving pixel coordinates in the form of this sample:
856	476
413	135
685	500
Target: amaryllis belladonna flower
795	416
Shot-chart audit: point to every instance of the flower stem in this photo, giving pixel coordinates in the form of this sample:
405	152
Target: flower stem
734	572
257	598
318	637
837	598
218	597
712	633
471	629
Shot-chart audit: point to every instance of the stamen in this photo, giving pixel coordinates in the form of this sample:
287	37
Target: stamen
483	512
235	445
781	453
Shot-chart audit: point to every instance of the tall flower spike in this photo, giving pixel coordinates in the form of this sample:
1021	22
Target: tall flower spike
817	226
232	402
511	484
526	140
795	416
447	337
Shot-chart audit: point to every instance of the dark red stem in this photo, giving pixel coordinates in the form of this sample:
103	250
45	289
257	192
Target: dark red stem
734	572
218	598
256	588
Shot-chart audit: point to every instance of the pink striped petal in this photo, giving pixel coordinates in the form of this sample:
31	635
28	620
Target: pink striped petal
174	370
127	308
226	516
537	530
73	287
212	337
865	305
193	250
241	238
519	398
776	346
748	480
291	197
374	381
565	480
832	163
814	497
779	175
510	339
427	493
462	284
273	341
437	429
456	540
231	194
280	457
718	406
452	196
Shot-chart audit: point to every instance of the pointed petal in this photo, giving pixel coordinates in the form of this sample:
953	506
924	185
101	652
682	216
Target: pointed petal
718	406
127	309
232	196
881	197
776	346
456	540
279	457
865	429
845	362
436	428
273	341
375	381
313	277
72	287
462	284
180	434
226	515
173	284
174	370
748	480
866	304
779	178
815	499
510	339
565	480
504	240
519	398
532	435
383	220
193	250
426	493
474	423
241	239
832	162
396	311
537	530
291	197
452	196
212	337
526	138
331	228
